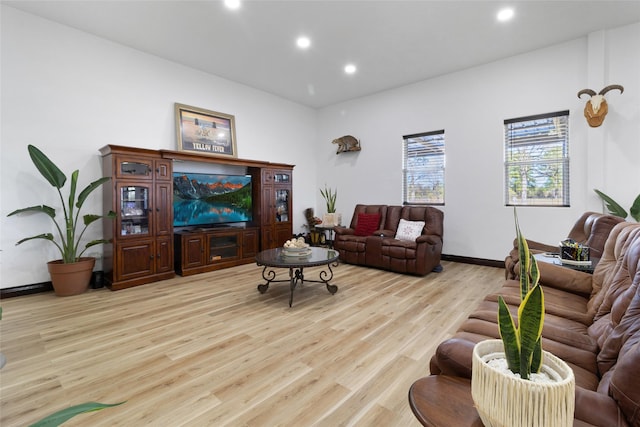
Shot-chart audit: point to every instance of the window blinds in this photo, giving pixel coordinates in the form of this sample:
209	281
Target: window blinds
423	168
537	160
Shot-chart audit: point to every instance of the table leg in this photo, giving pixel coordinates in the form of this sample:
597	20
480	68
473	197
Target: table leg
326	278
268	277
294	277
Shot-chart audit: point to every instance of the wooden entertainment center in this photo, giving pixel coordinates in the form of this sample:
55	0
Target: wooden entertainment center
145	247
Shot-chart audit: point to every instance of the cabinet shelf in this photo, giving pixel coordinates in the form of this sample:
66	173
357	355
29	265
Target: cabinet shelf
198	251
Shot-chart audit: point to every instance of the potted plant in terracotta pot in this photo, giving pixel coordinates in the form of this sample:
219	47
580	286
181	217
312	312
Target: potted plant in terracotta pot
71	274
513	381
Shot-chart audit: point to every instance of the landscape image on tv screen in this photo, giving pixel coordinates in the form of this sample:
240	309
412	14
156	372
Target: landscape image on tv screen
209	199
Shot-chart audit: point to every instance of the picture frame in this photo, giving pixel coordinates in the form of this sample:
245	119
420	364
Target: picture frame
205	132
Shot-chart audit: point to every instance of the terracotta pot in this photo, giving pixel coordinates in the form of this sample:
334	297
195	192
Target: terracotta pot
71	279
506	401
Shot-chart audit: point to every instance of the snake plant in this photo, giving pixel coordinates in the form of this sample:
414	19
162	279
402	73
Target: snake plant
522	344
329	197
68	234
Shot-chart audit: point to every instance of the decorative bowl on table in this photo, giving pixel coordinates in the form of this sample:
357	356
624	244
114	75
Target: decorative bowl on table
296	247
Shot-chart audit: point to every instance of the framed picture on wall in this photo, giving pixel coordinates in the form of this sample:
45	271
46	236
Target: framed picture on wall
205	132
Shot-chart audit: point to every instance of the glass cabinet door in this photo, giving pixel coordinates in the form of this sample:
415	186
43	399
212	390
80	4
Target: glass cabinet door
282	205
134	168
134	210
282	178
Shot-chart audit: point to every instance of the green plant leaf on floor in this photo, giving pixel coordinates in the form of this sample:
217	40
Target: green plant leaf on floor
66	414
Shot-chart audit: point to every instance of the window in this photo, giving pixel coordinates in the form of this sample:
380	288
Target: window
423	168
536	165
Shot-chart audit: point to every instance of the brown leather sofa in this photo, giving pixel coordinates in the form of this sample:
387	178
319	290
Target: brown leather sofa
591	229
378	246
592	322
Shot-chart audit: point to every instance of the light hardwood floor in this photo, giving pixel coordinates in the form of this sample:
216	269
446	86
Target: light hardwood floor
210	350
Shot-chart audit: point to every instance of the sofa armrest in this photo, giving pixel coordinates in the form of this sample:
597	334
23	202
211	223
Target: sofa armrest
565	279
343	231
598	409
539	247
429	238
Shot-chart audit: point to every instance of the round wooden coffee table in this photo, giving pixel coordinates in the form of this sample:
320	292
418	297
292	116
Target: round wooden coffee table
276	258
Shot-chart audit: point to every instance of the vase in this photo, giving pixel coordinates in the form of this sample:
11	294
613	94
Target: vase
503	400
314	236
331	219
71	279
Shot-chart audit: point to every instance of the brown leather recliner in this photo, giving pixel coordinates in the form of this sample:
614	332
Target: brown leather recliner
591	229
592	322
380	249
352	247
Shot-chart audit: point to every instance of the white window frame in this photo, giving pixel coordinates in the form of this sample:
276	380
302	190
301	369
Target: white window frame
423	162
536	160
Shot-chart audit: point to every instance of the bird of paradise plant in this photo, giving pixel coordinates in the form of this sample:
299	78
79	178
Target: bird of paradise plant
69	234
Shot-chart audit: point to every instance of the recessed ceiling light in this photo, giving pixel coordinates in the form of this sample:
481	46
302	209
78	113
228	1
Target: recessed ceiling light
232	4
350	69
303	42
505	14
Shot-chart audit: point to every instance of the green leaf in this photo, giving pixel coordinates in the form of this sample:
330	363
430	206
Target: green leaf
85	193
90	218
66	414
536	360
45	236
509	335
72	190
40	209
525	259
530	321
47	168
97	242
534	272
635	209
613	207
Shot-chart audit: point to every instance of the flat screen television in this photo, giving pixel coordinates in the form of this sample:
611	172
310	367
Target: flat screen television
201	199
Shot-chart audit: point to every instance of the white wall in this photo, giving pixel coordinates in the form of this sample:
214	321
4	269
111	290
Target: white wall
70	93
471	106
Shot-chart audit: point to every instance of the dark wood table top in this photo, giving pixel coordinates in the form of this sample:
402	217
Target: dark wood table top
313	257
443	401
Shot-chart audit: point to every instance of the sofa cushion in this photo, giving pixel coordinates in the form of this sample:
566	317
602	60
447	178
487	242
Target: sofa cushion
367	224
409	230
624	383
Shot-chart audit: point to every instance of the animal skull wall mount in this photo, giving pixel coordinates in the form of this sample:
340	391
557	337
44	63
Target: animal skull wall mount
596	108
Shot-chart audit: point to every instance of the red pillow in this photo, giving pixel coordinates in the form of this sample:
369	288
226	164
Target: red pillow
367	224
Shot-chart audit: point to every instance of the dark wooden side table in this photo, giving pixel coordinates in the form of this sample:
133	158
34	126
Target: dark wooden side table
443	401
329	239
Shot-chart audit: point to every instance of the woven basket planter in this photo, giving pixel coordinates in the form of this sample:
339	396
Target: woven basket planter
506	401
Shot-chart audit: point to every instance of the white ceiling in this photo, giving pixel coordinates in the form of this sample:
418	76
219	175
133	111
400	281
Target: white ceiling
392	42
